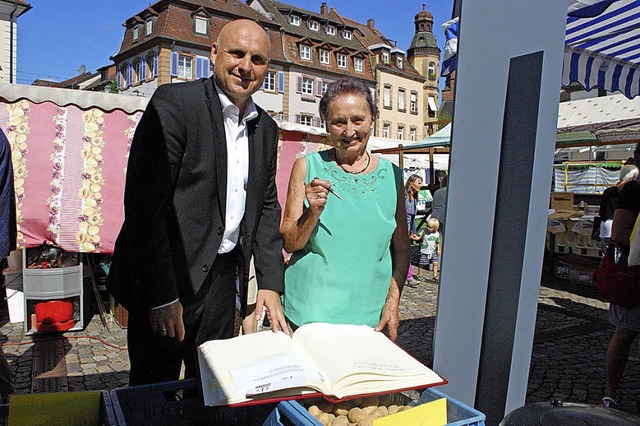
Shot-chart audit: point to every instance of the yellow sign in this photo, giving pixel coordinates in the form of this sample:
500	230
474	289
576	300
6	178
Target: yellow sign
432	413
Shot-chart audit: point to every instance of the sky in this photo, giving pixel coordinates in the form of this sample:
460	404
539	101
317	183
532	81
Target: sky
55	38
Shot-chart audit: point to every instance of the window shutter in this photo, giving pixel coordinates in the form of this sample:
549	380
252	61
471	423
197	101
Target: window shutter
129	73
199	70
316	121
155	63
174	64
143	69
318	87
118	77
281	82
299	87
298	118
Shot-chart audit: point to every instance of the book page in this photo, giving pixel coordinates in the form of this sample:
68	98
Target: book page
355	359
246	367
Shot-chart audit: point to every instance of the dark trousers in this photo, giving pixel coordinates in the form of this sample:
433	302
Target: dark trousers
209	315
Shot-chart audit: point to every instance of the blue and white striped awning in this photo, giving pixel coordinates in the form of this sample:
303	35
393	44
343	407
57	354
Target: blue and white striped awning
602	45
604	50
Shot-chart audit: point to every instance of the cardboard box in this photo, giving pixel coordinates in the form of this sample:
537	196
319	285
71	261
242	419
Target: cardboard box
562	201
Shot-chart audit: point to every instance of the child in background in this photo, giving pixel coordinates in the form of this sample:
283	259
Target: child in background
430	249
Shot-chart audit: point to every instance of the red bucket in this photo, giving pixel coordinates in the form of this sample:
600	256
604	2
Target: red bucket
54	315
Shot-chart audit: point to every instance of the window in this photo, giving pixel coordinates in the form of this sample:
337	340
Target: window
346	34
324	88
399	62
386	130
357	64
324	56
184	66
294	20
342	60
142	69
412	134
148	26
201	25
386	97
432	69
136	33
307	86
136	71
401	96
413	102
269	81
401	132
305	53
385	57
313	25
306	120
331	30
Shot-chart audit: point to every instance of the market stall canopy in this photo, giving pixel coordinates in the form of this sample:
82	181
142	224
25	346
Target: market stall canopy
602	45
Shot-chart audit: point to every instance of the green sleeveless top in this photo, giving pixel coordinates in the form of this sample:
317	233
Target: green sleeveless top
342	274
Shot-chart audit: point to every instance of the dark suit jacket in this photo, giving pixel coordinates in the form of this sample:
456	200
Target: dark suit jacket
175	198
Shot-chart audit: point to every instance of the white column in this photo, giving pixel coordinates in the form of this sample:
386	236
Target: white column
502	97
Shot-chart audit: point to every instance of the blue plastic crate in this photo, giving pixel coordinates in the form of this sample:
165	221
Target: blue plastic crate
171	403
458	414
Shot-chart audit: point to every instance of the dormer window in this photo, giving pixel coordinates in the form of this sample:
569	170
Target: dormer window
136	33
331	30
346	34
201	25
305	52
357	64
148	27
399	62
324	56
294	20
342	60
313	25
385	57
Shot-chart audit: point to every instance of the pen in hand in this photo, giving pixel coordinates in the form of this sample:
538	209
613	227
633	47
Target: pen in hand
331	190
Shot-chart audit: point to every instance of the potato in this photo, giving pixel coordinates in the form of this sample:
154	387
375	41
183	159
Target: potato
369	409
340	421
314	411
367	421
392	409
403	408
342	408
355	414
325	419
384	411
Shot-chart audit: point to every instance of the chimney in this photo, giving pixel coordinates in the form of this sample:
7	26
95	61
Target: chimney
324	9
370	23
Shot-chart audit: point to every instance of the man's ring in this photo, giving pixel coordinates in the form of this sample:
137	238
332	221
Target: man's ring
163	330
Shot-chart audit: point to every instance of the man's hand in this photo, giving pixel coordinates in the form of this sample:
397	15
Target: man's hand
271	300
167	321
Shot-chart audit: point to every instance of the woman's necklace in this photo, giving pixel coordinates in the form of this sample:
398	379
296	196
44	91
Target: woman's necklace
359	171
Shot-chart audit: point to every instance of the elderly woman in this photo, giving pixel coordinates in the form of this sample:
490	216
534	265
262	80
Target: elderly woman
345	223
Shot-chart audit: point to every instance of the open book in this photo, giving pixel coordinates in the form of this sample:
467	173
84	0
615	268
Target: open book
341	361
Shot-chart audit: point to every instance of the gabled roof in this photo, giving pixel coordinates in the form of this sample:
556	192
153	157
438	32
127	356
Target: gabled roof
175	23
70	83
372	38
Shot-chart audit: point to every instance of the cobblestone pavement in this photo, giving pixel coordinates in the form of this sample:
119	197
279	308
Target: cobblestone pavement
572	334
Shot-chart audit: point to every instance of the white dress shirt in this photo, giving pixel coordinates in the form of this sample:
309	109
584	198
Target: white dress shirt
237	167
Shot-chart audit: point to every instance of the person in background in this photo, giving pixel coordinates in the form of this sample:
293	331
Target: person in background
626	320
430	249
200	200
439	203
609	202
350	254
412	188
